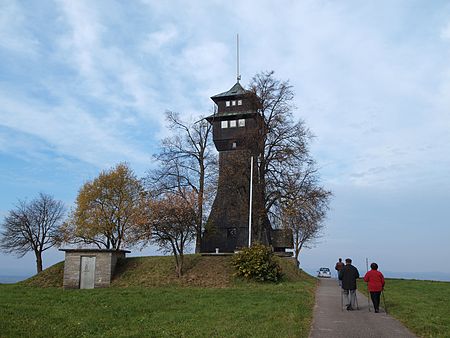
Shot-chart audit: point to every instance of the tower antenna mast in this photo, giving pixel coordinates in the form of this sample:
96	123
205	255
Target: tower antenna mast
238	76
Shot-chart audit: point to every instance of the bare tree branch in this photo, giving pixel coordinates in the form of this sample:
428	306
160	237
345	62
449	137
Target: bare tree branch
186	162
32	227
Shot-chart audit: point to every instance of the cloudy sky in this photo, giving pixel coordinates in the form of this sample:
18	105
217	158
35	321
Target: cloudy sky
85	84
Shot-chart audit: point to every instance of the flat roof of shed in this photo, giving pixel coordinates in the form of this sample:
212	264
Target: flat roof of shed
94	250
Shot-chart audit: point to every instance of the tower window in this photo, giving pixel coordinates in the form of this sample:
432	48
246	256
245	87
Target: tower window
232	123
224	124
241	122
233	145
239	102
227	103
233	103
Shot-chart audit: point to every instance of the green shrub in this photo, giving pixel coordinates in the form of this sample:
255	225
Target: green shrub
257	263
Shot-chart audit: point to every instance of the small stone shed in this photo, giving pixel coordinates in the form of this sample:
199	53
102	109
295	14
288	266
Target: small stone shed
90	268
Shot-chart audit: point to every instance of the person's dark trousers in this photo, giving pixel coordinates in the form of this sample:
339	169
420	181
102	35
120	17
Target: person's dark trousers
375	295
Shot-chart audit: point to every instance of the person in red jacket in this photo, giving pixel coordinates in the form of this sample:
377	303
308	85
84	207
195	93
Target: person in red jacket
375	284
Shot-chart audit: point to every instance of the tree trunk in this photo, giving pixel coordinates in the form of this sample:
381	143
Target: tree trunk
198	241
201	191
180	266
297	248
38	261
296	257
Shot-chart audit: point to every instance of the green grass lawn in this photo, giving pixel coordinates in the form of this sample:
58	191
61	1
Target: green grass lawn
423	306
146	300
282	310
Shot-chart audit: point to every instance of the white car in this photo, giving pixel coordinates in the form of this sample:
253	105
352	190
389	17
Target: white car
324	273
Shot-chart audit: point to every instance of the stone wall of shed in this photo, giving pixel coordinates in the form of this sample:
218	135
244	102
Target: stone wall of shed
103	269
72	270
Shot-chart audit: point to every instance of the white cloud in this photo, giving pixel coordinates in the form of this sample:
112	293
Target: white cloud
14	34
159	39
70	131
85	37
108	72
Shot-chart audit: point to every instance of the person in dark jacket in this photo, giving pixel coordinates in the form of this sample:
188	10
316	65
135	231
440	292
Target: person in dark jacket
375	284
338	267
348	275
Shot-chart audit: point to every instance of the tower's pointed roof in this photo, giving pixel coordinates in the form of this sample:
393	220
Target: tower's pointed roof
236	90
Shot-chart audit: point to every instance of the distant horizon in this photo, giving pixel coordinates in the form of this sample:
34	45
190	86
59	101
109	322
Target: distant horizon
430	276
8	278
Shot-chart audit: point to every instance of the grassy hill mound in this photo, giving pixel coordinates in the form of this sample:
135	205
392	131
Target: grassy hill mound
50	277
159	271
200	271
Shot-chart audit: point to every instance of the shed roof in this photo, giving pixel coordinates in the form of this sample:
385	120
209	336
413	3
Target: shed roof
94	250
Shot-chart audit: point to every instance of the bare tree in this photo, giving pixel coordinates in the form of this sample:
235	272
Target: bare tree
32	227
303	209
186	162
285	142
288	177
170	223
107	210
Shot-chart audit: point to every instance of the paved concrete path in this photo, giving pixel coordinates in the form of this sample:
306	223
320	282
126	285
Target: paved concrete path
330	321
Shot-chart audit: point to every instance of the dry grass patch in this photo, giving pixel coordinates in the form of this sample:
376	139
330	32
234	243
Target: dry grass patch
49	278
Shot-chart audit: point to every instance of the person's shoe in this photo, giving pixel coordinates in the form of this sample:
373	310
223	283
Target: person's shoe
376	310
349	308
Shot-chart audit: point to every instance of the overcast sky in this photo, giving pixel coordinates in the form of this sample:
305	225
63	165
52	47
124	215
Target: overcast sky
85	84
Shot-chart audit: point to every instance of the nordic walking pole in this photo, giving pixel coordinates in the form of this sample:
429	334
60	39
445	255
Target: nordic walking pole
384	301
342	302
368	292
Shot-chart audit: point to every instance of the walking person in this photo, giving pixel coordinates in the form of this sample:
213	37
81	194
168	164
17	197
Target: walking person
375	285
338	267
348	275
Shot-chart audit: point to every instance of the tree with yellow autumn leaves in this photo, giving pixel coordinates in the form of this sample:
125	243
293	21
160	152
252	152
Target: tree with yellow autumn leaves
107	210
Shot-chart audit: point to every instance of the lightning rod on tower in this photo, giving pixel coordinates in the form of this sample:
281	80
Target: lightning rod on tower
238	76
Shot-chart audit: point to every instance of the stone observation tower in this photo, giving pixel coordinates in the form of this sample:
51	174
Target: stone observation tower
238	130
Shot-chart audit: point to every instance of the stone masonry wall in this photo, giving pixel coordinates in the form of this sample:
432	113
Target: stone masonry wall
72	271
102	269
